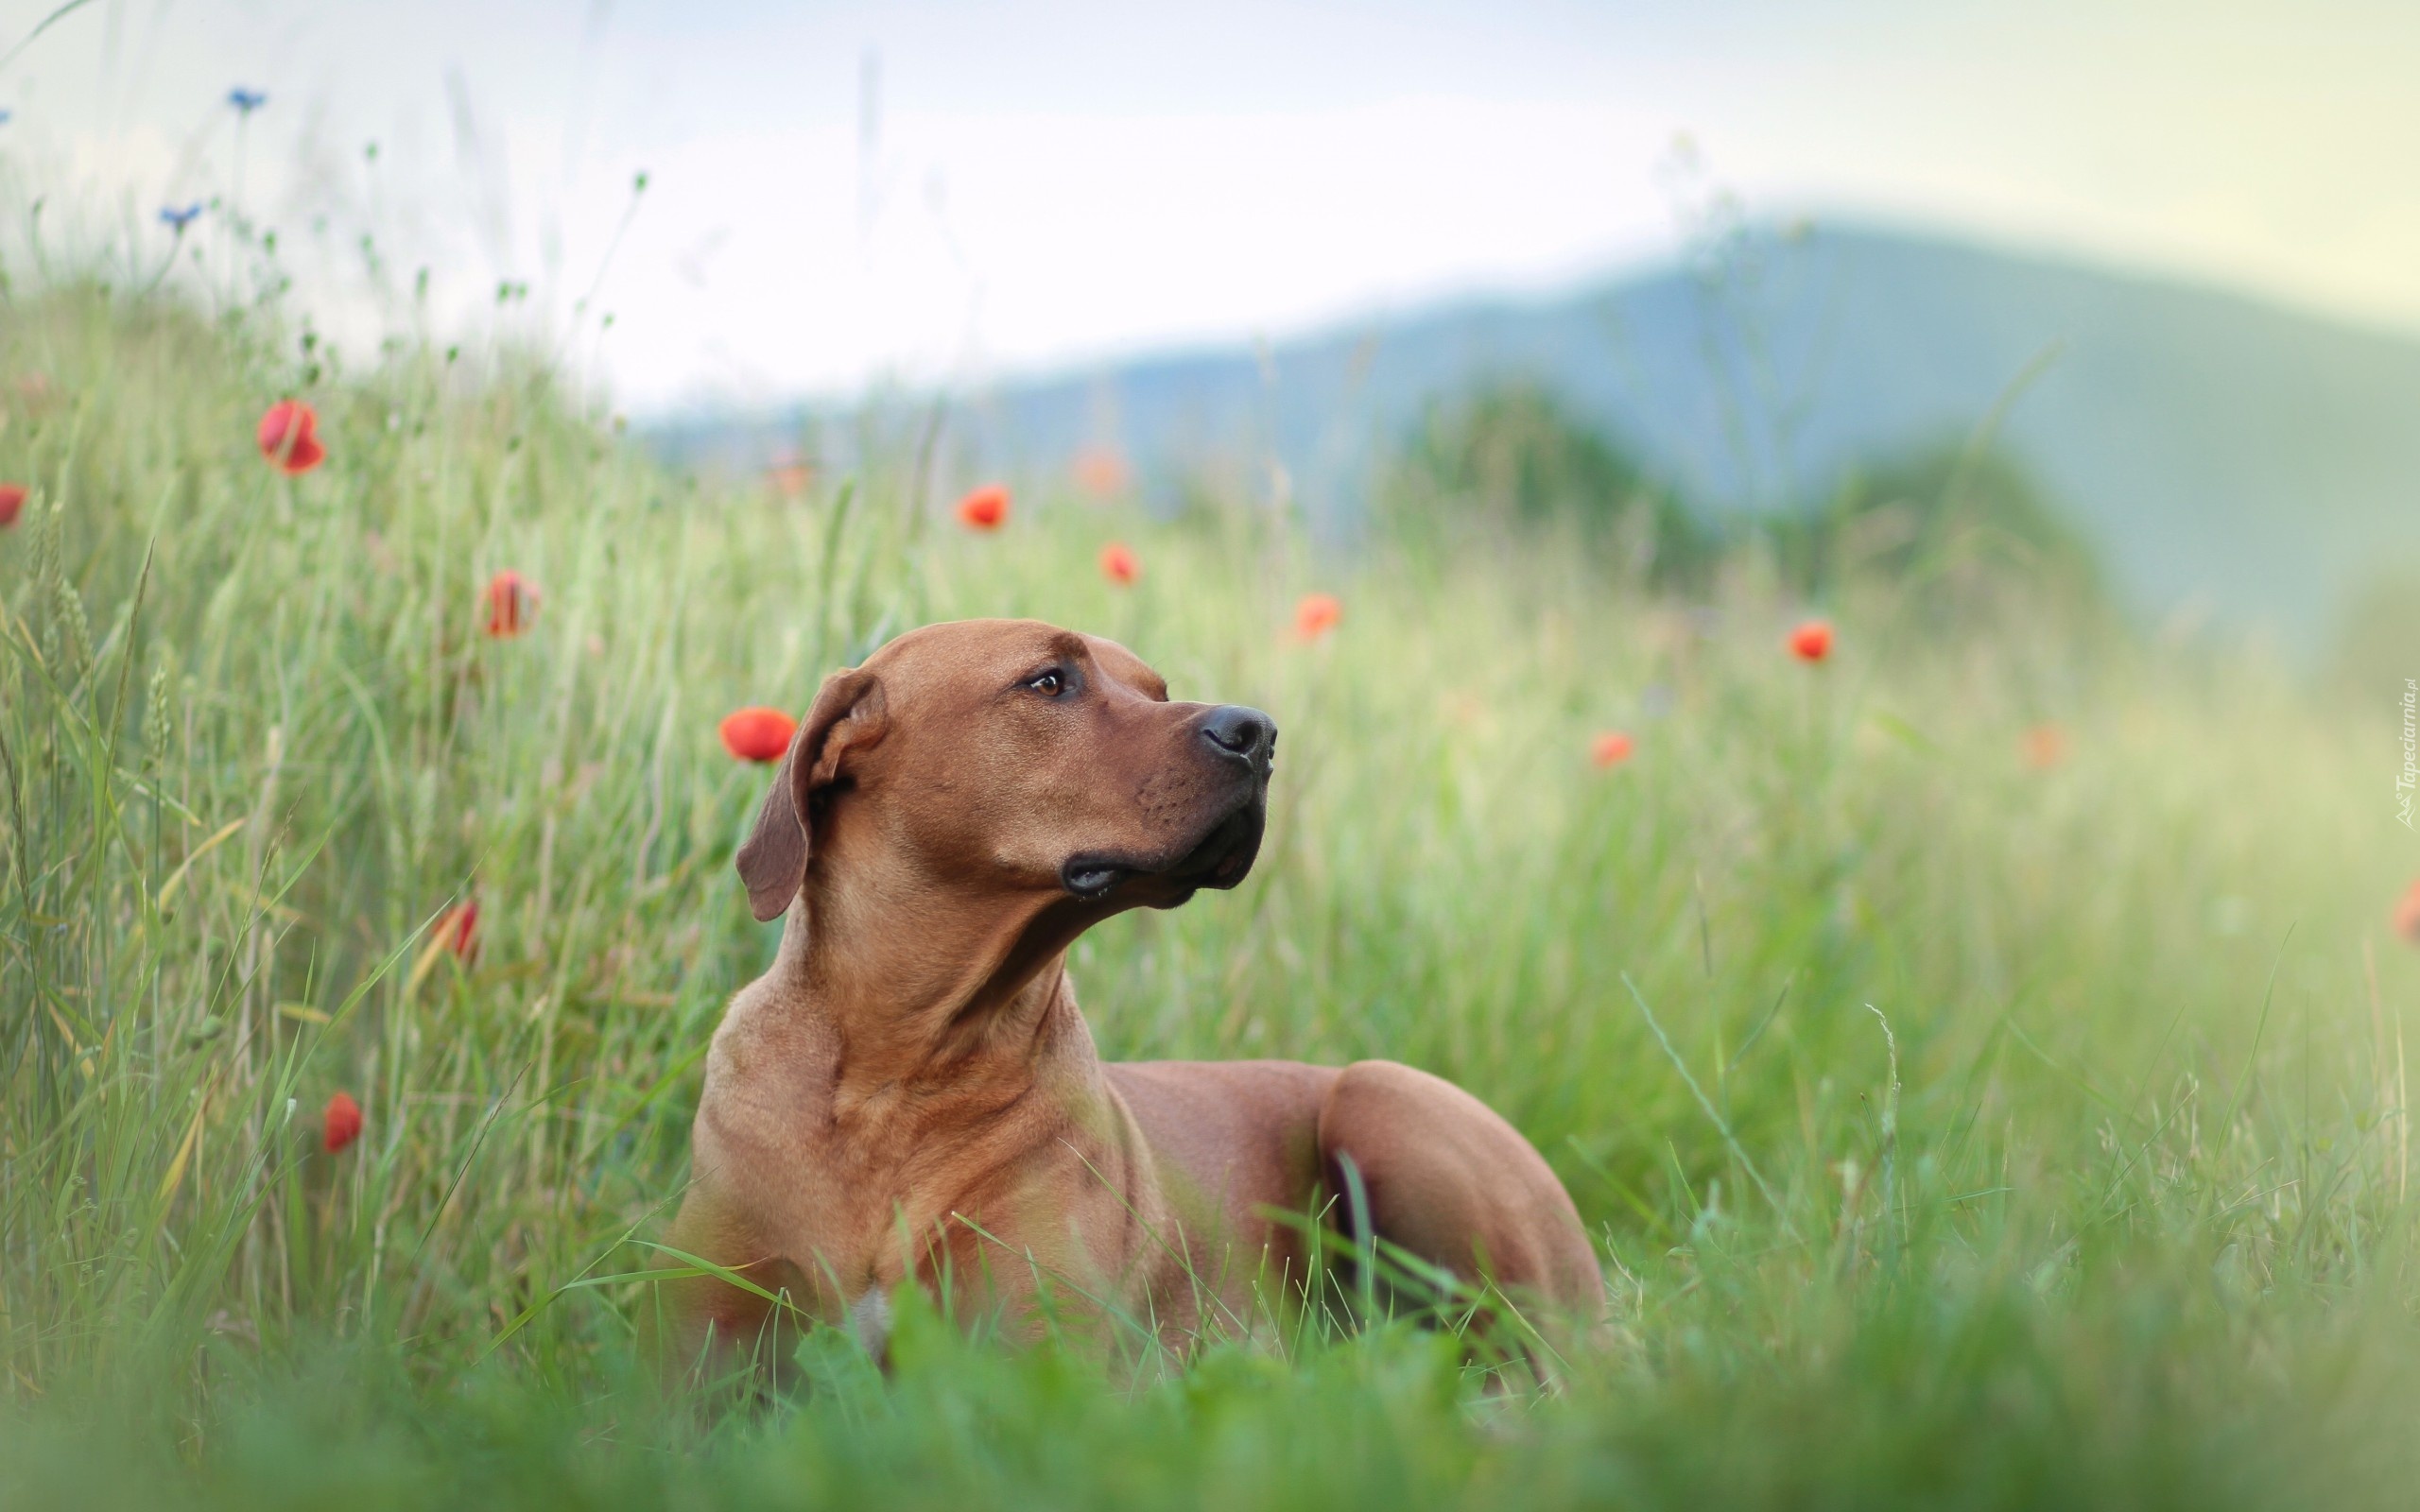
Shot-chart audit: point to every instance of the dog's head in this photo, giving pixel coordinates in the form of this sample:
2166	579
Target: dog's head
1012	756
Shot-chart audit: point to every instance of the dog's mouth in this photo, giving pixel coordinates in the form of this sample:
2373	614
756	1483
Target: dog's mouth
1221	858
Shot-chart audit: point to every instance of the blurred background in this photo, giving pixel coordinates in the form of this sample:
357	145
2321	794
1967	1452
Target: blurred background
2159	255
1840	578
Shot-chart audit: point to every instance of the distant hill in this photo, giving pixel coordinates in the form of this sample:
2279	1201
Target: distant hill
2217	449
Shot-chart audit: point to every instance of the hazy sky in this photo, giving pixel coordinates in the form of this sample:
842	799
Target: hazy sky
941	190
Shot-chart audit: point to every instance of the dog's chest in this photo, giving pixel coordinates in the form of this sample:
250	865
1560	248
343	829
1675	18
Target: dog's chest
863	1185
883	1189
864	1200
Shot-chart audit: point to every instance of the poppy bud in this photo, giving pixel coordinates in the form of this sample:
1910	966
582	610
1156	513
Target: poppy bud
986	509
1317	614
512	604
757	734
289	437
341	1123
1101	472
459	930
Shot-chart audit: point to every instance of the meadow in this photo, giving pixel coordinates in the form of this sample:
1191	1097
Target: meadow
1979	1052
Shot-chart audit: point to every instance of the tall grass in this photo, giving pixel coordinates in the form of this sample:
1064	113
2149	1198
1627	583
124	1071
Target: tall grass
1959	1130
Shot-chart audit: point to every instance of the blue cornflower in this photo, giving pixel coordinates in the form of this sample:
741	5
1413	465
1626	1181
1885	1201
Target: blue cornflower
177	219
246	100
4	118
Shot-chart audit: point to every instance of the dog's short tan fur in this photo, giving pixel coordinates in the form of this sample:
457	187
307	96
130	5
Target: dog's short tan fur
911	1094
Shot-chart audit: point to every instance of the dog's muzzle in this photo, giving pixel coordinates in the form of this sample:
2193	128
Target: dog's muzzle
1237	737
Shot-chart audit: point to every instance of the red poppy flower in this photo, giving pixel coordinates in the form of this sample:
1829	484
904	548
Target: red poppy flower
512	604
289	437
12	503
458	930
341	1122
1610	748
1812	640
2045	745
1118	564
2407	914
789	479
1317	614
1101	472
757	734
986	509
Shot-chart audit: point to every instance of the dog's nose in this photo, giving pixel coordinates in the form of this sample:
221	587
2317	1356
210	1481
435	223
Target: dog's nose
1245	733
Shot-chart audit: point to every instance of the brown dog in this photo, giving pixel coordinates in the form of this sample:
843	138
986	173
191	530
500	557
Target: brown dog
909	1092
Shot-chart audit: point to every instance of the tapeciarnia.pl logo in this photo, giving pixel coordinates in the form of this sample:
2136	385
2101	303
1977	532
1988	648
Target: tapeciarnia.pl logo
2410	773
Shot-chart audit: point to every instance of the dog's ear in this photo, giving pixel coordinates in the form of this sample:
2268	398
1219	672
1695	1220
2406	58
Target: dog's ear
848	716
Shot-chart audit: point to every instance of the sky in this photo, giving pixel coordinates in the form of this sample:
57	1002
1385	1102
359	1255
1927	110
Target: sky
932	190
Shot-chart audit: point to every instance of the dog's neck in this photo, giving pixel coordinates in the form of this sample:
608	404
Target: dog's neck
923	986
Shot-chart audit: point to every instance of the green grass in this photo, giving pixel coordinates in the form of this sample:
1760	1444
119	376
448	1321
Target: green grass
1959	1133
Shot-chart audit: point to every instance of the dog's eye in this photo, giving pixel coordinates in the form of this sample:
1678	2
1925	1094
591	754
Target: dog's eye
1048	684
